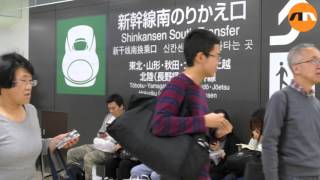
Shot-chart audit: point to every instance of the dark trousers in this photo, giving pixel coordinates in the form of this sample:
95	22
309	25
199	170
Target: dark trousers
118	168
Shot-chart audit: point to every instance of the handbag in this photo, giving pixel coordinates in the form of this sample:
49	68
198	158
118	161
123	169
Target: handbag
237	162
70	171
179	157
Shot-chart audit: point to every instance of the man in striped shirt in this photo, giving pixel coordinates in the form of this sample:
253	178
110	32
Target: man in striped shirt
202	53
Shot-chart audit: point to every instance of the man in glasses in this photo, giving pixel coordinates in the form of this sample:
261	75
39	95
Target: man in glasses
202	54
291	138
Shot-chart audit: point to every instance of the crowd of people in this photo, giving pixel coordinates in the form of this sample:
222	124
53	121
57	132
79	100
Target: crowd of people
286	132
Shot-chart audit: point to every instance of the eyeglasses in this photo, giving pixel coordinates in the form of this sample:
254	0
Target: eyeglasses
312	61
26	82
217	56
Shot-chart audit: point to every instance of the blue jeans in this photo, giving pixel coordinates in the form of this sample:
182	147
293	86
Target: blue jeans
141	169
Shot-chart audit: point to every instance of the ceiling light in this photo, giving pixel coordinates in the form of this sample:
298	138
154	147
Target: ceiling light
38	4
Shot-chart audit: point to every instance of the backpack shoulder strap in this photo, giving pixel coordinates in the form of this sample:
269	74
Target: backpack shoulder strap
287	104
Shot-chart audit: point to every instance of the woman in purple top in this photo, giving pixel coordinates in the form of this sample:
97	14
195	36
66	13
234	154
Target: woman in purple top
202	53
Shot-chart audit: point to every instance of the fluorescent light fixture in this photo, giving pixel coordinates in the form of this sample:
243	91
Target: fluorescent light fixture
49	3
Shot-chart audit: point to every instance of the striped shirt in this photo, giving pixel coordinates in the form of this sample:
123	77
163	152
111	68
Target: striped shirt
167	120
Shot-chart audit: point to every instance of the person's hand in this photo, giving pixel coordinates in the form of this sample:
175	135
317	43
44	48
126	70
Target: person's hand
214	120
55	140
117	147
217	120
224	129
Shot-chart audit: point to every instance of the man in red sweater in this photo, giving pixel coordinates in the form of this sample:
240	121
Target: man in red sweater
202	54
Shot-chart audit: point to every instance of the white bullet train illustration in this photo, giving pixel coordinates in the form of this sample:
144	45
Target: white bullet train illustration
80	64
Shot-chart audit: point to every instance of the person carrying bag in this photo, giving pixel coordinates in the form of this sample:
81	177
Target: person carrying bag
175	125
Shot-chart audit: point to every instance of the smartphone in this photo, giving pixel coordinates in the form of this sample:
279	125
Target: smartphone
71	135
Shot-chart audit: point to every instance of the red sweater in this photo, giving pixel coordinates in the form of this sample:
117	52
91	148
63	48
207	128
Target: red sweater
167	120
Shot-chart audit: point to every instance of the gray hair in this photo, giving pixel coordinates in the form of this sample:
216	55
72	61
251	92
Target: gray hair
295	52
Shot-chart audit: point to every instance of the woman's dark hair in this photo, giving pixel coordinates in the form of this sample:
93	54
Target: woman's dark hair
198	40
9	63
256	121
115	98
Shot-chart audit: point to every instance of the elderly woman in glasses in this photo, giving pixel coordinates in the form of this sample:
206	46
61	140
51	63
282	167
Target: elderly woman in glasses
20	137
